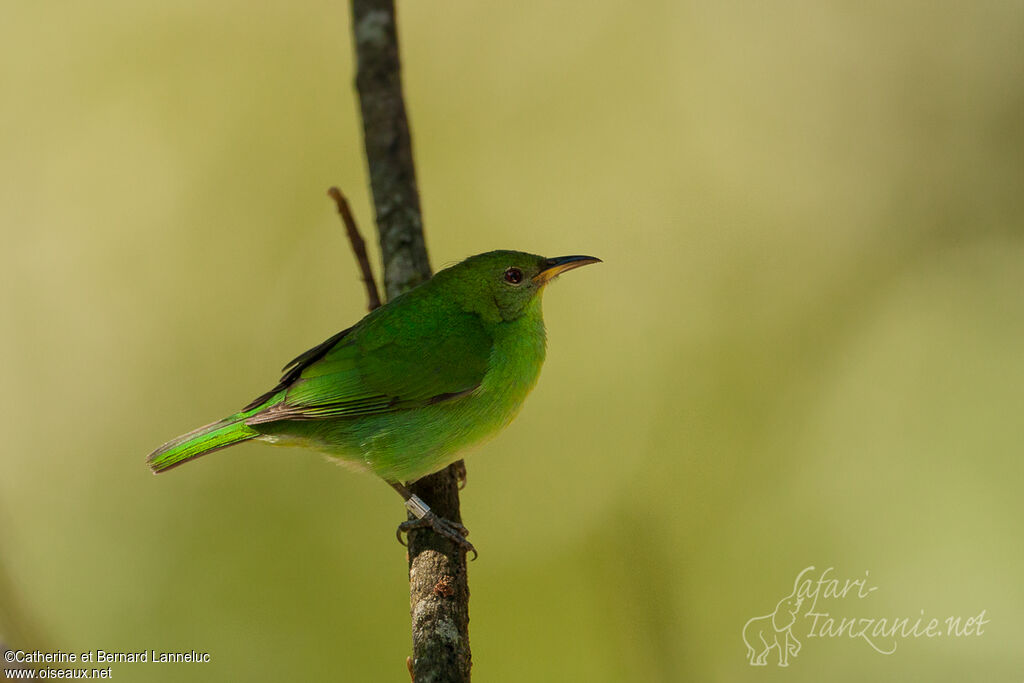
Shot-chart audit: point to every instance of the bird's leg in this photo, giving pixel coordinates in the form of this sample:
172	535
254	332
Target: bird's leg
425	517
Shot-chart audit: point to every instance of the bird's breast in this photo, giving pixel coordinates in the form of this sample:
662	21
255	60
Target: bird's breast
514	365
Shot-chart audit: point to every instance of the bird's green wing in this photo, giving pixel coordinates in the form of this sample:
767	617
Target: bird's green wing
386	363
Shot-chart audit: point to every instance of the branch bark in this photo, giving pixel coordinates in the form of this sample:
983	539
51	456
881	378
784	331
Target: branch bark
438	586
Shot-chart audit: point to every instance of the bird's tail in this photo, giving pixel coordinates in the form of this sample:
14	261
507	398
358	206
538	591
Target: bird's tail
212	437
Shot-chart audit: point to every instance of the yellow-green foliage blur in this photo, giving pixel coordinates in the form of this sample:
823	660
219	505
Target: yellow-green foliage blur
805	346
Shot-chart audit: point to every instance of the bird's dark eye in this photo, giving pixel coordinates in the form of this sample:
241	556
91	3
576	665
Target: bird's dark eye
513	276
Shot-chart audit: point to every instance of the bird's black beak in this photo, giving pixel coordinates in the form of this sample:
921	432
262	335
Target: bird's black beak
553	267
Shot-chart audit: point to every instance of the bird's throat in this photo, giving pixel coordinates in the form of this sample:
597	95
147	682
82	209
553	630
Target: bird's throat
517	356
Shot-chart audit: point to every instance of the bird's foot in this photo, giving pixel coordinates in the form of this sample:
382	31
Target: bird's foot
426	518
453	531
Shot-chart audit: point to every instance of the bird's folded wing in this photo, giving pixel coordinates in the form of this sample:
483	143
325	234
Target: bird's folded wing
382	367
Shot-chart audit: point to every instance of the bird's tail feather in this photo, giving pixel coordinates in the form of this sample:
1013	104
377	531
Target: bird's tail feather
206	439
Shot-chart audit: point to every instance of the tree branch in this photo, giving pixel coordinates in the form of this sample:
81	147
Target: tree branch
438	587
358	246
388	146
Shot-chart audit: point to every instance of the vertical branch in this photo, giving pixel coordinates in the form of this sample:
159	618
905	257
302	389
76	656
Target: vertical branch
396	198
438	587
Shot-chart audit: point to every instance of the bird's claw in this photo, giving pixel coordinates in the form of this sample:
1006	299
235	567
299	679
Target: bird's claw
453	531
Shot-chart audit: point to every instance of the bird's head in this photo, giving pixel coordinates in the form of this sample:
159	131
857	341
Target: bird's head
502	284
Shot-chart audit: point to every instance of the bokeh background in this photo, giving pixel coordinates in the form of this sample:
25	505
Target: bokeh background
804	346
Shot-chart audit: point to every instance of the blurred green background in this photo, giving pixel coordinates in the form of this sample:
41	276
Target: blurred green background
804	347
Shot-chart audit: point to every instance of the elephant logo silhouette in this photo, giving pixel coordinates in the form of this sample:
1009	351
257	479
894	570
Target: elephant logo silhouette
773	632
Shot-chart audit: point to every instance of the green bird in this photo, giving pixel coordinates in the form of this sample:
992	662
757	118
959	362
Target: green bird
403	391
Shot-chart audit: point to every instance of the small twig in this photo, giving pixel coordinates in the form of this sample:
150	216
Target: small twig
358	246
